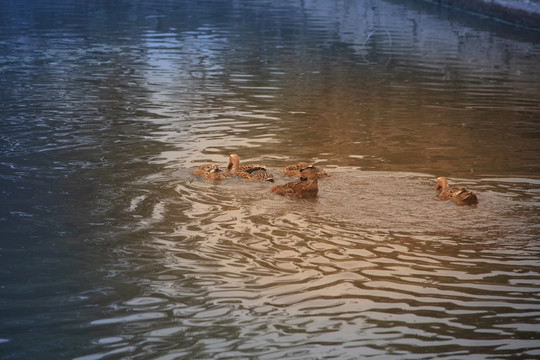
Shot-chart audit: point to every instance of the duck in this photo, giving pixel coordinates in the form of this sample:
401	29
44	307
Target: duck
460	196
293	170
300	189
313	172
248	172
211	172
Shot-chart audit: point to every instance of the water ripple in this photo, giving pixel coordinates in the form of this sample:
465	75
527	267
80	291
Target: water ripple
330	270
112	248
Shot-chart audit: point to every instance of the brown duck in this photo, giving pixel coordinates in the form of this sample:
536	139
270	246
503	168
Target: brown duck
303	169
248	172
302	188
211	172
460	196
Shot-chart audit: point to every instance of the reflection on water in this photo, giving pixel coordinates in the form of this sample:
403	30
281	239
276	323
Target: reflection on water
111	249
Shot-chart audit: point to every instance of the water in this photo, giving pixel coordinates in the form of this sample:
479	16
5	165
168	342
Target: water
111	249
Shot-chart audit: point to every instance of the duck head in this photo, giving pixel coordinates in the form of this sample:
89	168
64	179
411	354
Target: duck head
442	184
308	173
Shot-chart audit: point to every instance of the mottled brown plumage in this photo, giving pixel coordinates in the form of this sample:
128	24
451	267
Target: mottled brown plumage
312	172
305	170
248	172
460	196
294	170
302	188
211	172
201	169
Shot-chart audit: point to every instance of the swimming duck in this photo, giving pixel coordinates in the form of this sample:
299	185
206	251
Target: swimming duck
211	172
293	170
313	172
201	169
459	196
303	188
248	172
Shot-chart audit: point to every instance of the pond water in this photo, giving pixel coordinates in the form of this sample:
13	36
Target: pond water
111	249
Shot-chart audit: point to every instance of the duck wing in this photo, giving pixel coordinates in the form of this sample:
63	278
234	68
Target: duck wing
465	197
306	188
294	170
255	172
297	189
203	169
284	190
312	172
216	174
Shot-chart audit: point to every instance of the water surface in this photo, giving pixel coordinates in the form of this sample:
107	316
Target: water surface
111	249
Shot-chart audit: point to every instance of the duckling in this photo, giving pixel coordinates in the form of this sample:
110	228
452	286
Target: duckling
459	196
211	172
314	172
248	172
303	188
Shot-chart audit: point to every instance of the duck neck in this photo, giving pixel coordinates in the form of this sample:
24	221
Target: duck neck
442	185
234	164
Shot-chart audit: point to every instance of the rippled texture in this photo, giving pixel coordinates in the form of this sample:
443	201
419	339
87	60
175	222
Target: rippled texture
111	249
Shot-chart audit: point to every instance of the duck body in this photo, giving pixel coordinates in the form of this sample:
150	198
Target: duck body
294	170
300	189
211	172
248	172
460	196
312	172
202	169
305	170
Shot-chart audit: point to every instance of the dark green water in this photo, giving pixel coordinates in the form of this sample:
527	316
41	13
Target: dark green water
111	249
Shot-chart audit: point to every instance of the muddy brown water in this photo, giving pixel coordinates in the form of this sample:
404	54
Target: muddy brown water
111	249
